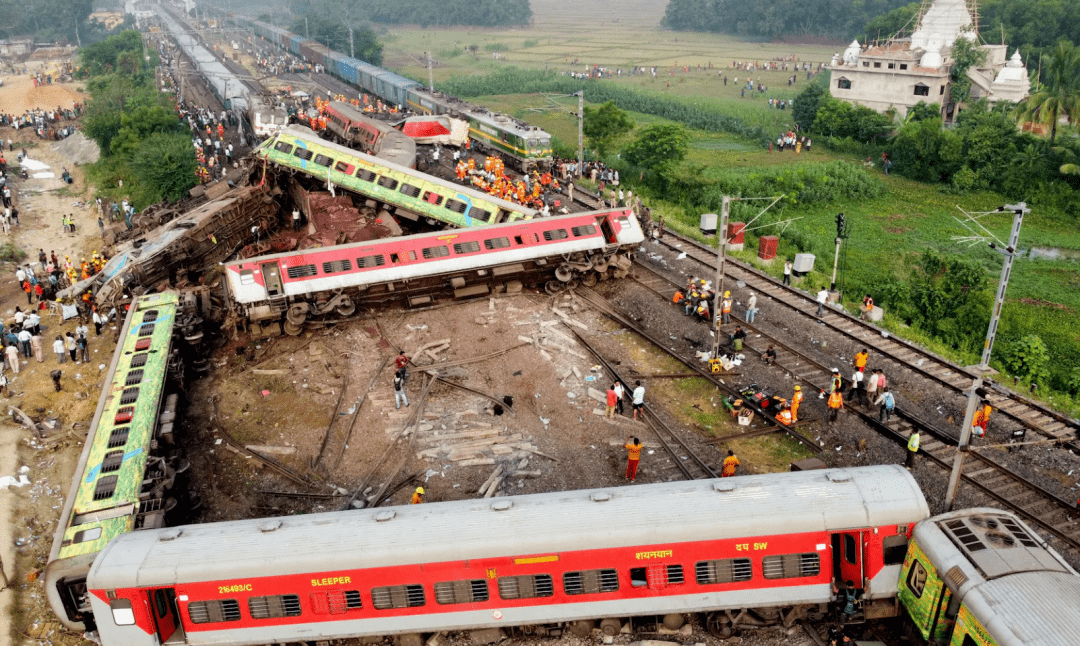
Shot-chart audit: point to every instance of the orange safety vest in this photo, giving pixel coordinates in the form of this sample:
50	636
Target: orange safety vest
836	400
678	297
726	306
784	416
860	359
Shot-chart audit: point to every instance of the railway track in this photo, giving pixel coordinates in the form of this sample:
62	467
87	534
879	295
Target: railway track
1043	508
1030	414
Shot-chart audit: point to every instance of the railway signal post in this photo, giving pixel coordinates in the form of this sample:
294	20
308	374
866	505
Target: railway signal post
1019	210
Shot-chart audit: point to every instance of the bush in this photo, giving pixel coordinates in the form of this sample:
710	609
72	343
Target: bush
1028	358
9	252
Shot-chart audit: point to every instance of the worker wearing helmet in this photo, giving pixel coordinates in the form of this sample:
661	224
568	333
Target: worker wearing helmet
418	496
725	309
796	399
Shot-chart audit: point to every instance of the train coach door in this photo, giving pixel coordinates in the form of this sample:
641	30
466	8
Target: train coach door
848	558
271	278
162	602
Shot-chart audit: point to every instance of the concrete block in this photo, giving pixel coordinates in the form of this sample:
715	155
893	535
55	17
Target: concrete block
598	395
410	639
546	355
514	287
876	314
735	246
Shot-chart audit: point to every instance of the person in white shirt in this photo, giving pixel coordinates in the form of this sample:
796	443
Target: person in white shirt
822	298
639	398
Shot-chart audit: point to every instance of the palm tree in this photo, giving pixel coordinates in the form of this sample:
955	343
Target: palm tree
1058	92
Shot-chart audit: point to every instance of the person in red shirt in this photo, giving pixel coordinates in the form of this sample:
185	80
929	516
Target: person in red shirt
612	400
633	457
401	361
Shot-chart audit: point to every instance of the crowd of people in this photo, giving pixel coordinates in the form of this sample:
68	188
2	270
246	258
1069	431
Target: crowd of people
45	122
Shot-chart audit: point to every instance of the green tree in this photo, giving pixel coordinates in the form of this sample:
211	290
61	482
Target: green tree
658	146
898	21
331	30
164	166
101	58
808	102
1058	92
924	151
605	123
923	111
941	287
139	124
966	55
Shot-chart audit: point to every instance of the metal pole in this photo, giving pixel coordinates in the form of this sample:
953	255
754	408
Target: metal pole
721	254
580	131
835	263
352	48
1019	210
307	32
430	77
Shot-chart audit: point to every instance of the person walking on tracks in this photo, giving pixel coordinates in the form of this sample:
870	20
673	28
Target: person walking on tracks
612	400
886	403
751	308
857	392
836	402
725	309
399	392
787	272
860	360
822	298
912	450
639	399
796	401
730	462
633	457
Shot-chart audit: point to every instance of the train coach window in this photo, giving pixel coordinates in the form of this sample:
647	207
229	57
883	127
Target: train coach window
272	607
590	581
122	613
118	437
893	549
470	591
478	213
342	167
388	182
455	206
556	234
212	612
526	586
247	277
467	247
397	596
584	230
431	197
134	377
302	271
112	461
323	160
657	576
435	252
303	153
129	396
723	571
365	175
147	329
370	261
336	266
496	243
138	360
410	190
335	602
791	566
283	147
105	487
149	316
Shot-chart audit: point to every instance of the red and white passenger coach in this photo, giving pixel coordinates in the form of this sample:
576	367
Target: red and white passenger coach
746	549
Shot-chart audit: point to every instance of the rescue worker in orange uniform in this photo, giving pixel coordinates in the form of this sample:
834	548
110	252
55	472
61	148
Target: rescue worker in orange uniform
836	402
730	462
837	381
725	309
784	416
796	400
633	457
417	497
860	360
982	417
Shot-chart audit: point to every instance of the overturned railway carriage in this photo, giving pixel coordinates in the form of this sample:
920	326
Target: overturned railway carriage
981	577
403	191
123	477
331	281
351	127
525	147
749	551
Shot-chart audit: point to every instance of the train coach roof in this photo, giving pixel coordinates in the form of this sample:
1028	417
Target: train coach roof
1029	609
748	506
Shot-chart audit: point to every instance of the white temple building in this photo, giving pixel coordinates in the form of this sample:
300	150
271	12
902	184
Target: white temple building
904	71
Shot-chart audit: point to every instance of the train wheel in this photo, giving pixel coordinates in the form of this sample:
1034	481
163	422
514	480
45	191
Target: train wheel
581	628
346	308
564	273
610	627
719	625
292	329
620	273
590	279
297	314
600	264
553	287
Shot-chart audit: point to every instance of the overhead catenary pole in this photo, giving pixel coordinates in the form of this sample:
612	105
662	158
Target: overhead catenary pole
580	132
1019	210
430	77
721	254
